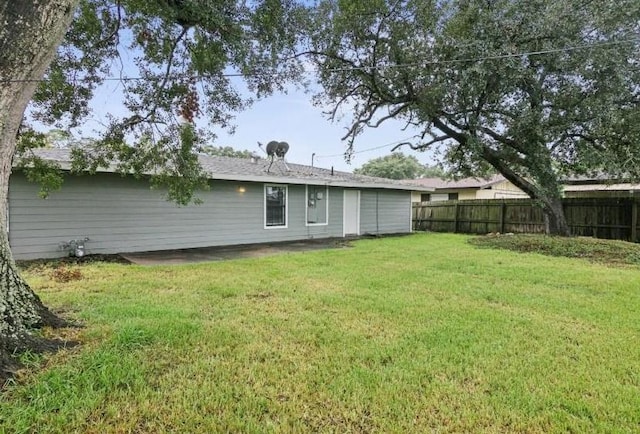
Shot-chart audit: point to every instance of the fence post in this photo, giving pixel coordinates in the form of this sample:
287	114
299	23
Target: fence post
634	220
414	217
455	218
596	223
503	208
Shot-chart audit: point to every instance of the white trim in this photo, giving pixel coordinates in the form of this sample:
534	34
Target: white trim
306	206
286	206
344	214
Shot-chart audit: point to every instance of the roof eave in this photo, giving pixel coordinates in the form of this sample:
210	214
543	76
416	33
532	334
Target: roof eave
311	181
454	189
65	165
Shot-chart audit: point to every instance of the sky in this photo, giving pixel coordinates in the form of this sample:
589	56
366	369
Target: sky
287	117
294	119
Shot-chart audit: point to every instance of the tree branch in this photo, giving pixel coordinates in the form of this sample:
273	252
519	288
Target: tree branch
174	45
421	146
456	135
116	30
392	114
493	158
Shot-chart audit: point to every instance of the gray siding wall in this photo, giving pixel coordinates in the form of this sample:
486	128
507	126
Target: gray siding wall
123	215
385	211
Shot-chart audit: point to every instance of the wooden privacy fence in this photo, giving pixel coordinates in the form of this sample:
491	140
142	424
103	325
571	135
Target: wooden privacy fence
612	218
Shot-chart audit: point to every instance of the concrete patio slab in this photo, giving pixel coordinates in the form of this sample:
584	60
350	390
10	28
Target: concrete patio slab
222	253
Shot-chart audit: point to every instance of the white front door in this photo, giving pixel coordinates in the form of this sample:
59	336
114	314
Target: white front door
351	220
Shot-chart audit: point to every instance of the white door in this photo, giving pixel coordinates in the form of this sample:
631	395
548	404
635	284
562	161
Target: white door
351	219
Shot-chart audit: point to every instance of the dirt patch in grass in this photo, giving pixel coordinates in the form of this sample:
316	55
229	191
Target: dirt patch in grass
36	264
597	250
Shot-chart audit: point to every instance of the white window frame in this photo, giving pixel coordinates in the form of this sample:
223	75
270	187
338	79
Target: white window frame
286	206
306	206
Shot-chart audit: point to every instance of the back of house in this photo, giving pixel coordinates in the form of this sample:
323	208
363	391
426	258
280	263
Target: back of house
247	202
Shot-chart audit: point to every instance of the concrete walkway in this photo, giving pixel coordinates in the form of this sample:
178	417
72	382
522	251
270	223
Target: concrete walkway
223	253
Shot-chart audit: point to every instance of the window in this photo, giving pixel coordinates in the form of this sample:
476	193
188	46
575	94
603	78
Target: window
425	197
317	205
275	206
453	196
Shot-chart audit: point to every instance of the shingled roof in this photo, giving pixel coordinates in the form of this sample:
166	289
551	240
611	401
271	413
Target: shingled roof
255	170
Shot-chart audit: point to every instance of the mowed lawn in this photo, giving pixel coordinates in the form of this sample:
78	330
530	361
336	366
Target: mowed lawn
424	333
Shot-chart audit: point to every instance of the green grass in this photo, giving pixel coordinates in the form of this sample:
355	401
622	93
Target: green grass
425	333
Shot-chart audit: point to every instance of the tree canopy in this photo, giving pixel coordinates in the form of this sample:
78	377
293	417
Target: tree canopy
393	166
530	88
225	151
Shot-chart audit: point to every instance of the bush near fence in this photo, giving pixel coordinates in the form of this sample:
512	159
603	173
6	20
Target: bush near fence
612	218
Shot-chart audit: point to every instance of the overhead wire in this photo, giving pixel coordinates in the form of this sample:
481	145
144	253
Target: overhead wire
366	150
367	67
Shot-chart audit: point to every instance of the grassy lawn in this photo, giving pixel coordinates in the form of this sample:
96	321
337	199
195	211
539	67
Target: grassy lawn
425	333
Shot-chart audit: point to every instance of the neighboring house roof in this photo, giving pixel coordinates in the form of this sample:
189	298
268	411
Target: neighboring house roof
444	184
244	169
602	187
600	182
596	179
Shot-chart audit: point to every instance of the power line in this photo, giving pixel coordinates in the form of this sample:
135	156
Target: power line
366	150
366	68
483	58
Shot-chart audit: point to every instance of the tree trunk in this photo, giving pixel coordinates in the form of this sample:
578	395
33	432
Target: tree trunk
555	221
546	190
20	308
30	35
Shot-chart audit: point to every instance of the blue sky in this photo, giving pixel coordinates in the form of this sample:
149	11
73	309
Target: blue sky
294	119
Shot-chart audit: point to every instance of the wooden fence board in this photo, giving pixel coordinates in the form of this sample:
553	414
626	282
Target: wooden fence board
613	218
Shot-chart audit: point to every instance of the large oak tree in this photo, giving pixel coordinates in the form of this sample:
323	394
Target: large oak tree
182	57
533	89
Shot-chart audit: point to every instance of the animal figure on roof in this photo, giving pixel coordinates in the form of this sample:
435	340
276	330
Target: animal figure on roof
275	149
